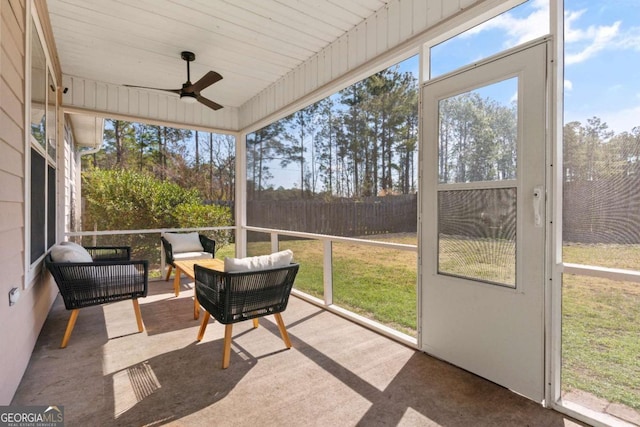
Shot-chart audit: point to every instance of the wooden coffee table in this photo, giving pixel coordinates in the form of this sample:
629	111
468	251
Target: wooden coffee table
186	267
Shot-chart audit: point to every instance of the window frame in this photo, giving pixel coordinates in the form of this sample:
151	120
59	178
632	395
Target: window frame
35	34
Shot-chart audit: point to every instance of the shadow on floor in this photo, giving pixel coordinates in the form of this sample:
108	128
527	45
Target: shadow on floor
336	374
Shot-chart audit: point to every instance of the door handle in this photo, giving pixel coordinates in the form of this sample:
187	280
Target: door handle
538	194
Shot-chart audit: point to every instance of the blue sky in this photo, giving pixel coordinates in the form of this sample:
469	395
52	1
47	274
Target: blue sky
602	54
602	60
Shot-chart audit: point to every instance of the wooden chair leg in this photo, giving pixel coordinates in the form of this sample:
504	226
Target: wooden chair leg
203	325
196	308
255	323
70	324
283	330
136	309
166	279
176	282
226	352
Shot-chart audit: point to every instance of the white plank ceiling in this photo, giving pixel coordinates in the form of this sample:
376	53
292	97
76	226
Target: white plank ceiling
251	43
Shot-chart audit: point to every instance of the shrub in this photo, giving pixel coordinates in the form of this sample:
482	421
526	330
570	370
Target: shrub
191	215
128	200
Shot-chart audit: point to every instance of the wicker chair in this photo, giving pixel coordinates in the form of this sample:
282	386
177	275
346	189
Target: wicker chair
111	277
208	244
235	297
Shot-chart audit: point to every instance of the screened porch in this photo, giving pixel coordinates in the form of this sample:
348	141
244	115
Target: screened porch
465	223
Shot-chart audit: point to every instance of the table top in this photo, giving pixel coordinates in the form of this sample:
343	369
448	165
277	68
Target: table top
186	266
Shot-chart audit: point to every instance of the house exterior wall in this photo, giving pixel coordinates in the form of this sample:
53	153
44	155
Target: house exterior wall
20	323
69	200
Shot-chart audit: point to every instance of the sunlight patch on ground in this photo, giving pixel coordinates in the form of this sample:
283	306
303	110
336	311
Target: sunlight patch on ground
132	386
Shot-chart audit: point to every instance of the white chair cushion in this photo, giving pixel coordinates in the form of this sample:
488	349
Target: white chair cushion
276	259
70	253
73	244
191	255
184	242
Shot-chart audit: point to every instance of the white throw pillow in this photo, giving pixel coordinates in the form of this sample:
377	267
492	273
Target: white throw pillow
276	259
184	242
70	253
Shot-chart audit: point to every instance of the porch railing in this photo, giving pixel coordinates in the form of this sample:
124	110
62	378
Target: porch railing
371	282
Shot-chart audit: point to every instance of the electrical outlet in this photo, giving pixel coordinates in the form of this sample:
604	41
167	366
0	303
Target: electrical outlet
14	294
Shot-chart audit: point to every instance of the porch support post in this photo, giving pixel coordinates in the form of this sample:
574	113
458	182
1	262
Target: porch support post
553	266
241	194
328	272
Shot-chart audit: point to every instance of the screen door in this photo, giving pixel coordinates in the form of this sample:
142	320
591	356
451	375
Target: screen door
483	219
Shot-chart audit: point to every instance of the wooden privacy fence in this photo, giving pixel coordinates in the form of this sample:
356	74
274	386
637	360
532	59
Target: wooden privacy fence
603	211
343	217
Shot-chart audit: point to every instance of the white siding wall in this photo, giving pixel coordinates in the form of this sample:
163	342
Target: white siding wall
113	101
398	22
71	176
21	323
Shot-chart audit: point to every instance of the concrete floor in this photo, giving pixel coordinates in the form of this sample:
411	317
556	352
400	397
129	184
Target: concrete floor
336	374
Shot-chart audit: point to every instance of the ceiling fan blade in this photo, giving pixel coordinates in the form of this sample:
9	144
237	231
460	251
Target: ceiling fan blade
156	88
207	80
209	103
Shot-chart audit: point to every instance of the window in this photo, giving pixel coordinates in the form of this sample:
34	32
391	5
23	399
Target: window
42	117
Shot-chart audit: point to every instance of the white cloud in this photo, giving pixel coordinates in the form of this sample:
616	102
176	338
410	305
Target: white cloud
618	120
518	30
622	120
590	41
630	39
568	85
581	44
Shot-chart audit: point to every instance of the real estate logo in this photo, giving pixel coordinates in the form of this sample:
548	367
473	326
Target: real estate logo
31	416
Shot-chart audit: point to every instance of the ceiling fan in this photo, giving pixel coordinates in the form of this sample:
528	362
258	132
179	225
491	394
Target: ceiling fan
190	92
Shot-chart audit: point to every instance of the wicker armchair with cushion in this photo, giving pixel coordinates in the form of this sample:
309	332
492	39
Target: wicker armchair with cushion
180	246
96	275
248	289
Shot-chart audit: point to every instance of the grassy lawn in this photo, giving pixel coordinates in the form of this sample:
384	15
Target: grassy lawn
491	260
384	292
601	318
377	283
601	327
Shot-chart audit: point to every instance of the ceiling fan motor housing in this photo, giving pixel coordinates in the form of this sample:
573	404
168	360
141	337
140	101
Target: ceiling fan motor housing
188	56
190	92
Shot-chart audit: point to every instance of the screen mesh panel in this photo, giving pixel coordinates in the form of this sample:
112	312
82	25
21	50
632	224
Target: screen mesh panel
477	234
601	206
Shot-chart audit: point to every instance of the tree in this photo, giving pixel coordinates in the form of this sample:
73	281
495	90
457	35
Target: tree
354	125
302	126
325	143
477	139
119	138
262	146
222	170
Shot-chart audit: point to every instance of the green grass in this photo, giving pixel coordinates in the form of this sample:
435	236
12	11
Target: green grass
601	318
601	338
490	260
